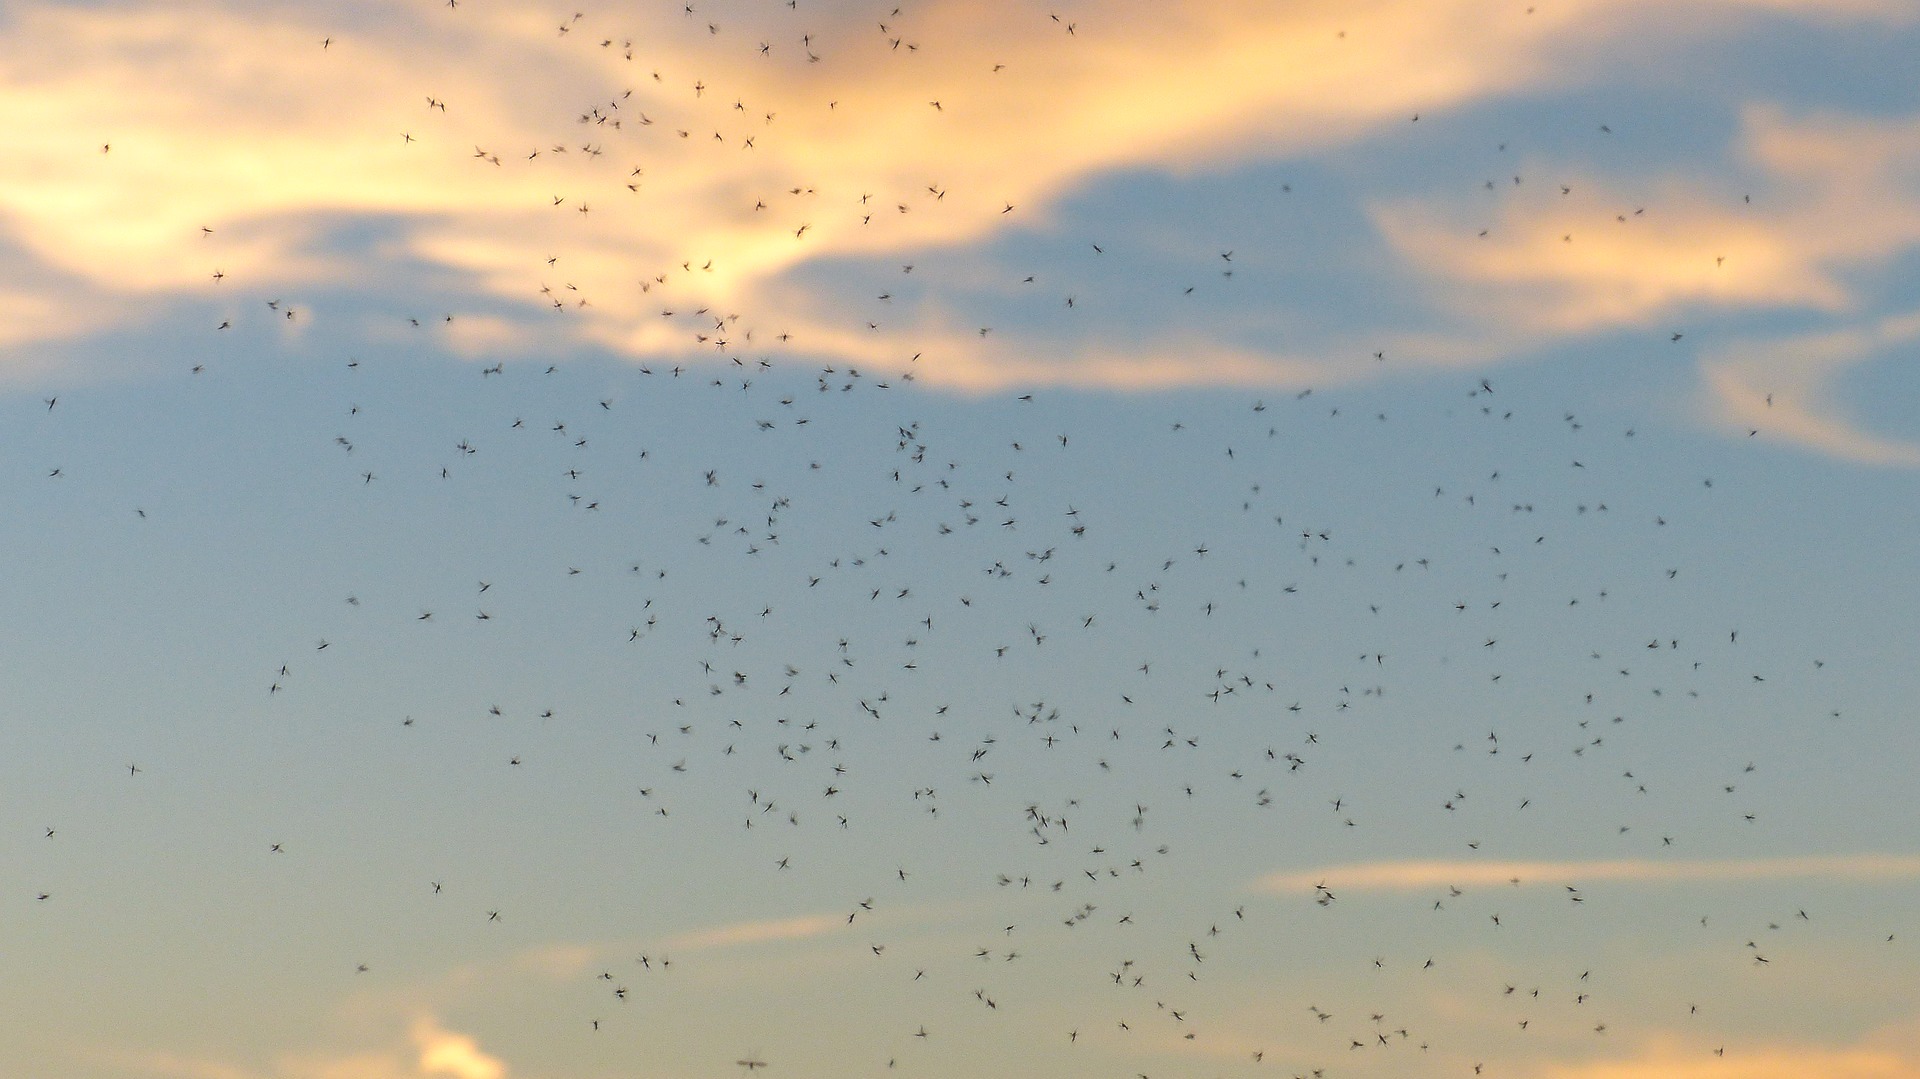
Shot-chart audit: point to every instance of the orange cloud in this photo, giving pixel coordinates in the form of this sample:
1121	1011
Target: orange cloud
1559	267
1838	198
690	171
439	1054
1407	875
1576	253
1782	1062
444	1053
759	932
1778	390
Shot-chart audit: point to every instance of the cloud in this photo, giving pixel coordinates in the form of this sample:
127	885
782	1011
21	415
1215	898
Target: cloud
1838	198
445	1053
937	152
1829	166
1579	253
1411	875
757	932
1769	1062
638	163
1557	266
1780	390
437	1053
468	985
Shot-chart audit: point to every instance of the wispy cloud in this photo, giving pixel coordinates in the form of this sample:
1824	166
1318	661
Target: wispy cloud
756	932
1770	1062
1412	875
437	1053
1561	266
1781	390
706	175
1583	256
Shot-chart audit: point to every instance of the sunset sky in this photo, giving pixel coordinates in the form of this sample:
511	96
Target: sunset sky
1219	539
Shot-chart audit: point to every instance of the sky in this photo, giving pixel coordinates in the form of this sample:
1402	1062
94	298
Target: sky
710	538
